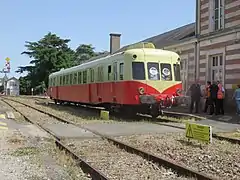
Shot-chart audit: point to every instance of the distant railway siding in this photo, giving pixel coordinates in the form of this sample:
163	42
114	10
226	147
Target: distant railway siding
77	115
36	116
117	163
220	158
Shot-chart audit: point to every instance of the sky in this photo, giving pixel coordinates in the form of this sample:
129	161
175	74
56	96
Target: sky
85	22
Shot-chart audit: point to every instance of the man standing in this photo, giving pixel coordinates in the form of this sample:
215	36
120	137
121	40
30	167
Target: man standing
213	98
207	96
236	97
195	91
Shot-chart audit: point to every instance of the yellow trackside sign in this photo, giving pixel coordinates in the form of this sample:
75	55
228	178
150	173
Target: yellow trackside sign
199	132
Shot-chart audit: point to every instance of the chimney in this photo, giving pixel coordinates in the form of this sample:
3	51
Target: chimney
114	42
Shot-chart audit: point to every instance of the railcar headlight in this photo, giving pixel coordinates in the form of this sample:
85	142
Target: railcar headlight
141	90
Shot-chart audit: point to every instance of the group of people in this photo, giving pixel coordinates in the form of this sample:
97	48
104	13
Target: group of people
214	97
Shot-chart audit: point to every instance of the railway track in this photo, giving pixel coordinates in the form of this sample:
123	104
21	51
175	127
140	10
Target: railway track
180	169
96	111
165	122
172	114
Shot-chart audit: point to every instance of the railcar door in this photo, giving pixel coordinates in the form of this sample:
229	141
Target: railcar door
114	82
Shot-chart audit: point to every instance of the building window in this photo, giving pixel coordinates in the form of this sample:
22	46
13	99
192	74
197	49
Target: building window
218	14
217	68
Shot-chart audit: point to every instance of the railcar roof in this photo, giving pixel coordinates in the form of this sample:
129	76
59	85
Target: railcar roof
147	51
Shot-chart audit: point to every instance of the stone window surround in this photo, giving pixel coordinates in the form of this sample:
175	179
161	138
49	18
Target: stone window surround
209	55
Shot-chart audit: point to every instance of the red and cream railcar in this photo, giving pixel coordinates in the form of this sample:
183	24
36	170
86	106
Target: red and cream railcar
142	80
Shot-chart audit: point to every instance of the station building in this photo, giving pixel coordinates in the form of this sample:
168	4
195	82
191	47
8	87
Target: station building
209	48
12	87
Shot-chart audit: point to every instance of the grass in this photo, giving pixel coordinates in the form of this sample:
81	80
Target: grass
25	151
16	140
69	164
235	134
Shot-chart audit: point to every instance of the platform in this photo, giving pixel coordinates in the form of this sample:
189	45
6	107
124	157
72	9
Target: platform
231	118
129	128
68	131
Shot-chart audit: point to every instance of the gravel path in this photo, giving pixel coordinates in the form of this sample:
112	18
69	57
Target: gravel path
34	115
32	158
220	158
117	163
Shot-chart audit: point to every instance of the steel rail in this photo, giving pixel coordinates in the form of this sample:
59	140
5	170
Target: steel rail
86	167
160	121
183	170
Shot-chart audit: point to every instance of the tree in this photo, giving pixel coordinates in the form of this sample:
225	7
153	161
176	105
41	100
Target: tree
49	54
84	52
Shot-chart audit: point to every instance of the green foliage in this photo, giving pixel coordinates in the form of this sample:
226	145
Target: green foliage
48	55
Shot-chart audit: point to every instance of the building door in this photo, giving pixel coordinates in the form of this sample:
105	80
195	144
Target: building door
216	68
184	73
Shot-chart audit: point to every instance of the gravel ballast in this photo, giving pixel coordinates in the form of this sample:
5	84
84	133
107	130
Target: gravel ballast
77	115
24	158
34	115
220	158
117	163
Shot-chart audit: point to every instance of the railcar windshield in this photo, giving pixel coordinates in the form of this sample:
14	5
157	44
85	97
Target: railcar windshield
177	72
166	72
153	71
138	71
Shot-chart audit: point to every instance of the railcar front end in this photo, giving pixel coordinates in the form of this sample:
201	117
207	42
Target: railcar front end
156	74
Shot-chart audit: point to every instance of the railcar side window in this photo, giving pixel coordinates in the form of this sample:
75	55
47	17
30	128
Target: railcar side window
79	77
84	77
67	79
64	80
60	80
121	66
54	81
75	78
177	72
71	79
138	71
109	72
92	75
153	71
166	72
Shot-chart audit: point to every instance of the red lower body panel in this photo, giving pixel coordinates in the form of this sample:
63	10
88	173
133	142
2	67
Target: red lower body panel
125	92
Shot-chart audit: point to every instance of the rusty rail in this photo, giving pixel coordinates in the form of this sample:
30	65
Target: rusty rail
86	167
183	170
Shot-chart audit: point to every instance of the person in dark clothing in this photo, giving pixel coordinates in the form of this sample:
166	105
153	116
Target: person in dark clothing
220	98
213	98
207	96
195	91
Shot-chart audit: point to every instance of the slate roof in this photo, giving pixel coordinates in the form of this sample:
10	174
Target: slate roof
171	37
168	38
